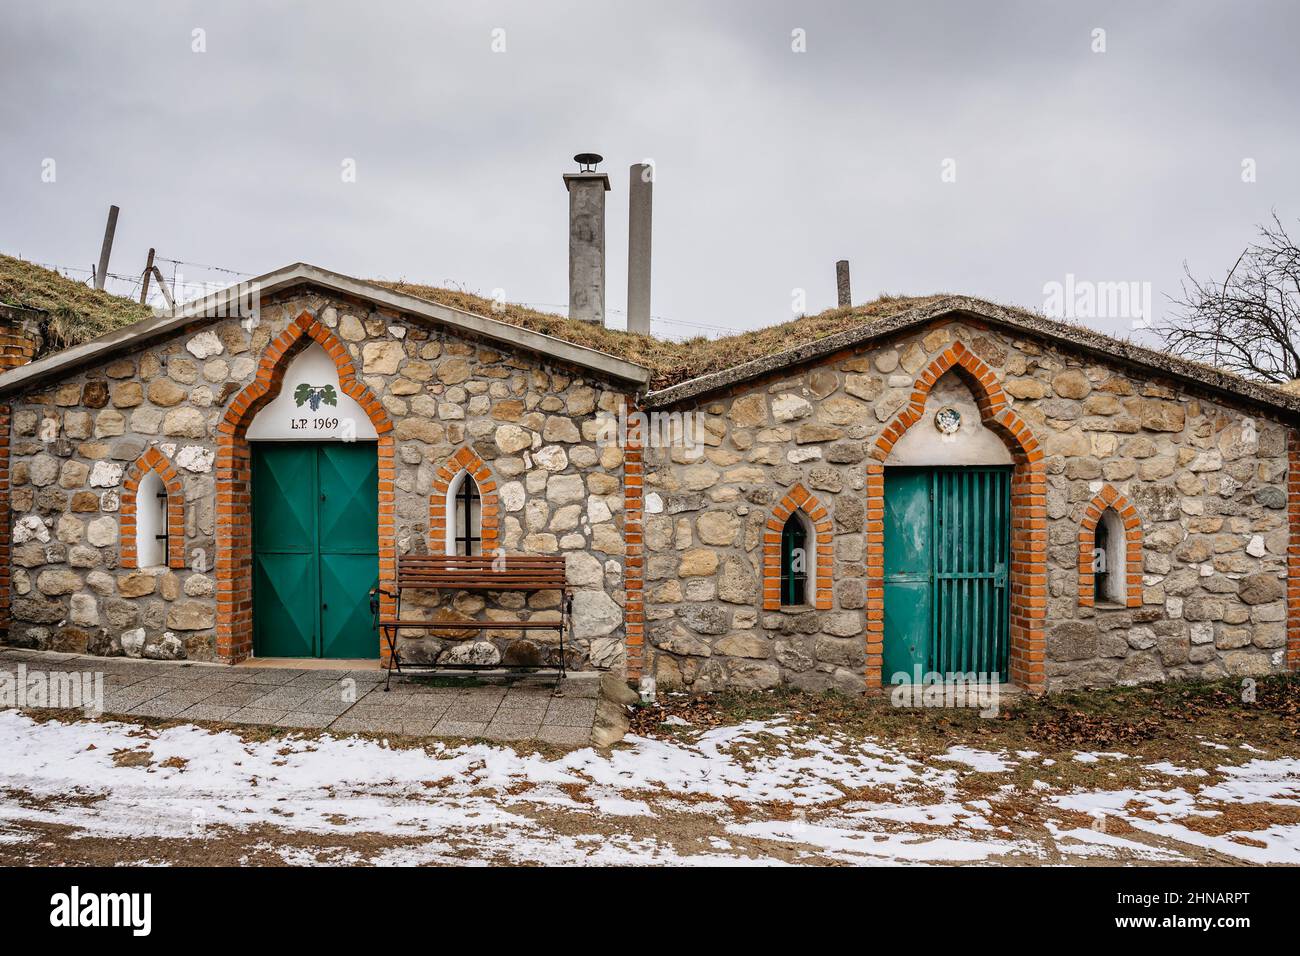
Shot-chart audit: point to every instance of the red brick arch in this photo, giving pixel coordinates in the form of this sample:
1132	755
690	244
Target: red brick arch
1028	515
466	460
234	479
155	461
1108	497
799	498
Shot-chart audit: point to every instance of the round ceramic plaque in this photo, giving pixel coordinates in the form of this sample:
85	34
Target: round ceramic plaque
947	420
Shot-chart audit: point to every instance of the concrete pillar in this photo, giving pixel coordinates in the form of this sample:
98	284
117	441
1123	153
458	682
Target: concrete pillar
640	196
587	245
842	294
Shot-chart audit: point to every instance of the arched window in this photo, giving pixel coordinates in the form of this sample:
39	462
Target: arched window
795	566
464	516
151	522
151	532
1110	564
1110	552
797	546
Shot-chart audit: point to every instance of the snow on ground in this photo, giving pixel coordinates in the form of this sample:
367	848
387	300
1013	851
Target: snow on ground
754	793
977	759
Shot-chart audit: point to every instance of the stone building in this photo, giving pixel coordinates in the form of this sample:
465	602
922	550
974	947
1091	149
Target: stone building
954	487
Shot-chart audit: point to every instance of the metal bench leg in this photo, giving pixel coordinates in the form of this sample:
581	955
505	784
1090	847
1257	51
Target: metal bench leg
564	626
390	634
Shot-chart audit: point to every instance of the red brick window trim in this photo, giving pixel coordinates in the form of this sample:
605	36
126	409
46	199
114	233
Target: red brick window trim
152	461
798	499
442	507
1108	499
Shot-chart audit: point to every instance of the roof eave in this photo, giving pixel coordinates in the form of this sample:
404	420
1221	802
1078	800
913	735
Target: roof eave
300	273
1101	346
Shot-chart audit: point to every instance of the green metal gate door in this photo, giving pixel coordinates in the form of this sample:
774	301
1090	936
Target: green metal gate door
315	548
947	548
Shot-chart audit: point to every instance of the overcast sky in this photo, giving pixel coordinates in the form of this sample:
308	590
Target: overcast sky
771	163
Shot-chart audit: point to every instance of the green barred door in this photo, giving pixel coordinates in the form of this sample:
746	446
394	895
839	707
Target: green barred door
315	548
947	551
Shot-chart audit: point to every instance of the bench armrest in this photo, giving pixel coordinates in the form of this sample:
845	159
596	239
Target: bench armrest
374	600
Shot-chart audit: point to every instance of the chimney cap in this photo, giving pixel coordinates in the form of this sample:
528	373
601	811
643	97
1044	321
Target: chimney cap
587	161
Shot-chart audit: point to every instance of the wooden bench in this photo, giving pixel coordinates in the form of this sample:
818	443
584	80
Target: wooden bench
439	572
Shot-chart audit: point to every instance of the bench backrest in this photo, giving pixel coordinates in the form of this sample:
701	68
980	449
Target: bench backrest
509	572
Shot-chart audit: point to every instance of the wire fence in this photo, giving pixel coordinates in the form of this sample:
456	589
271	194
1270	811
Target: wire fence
183	287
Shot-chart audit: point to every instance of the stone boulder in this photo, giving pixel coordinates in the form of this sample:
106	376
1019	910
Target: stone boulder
595	614
1072	641
1261	588
471	652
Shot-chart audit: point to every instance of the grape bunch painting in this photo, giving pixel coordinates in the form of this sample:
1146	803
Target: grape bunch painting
314	395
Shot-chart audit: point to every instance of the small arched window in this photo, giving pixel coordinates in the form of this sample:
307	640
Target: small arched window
151	522
1110	552
464	516
794	562
1110	563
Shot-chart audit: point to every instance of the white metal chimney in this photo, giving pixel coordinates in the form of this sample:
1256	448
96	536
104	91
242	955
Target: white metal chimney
587	190
640	196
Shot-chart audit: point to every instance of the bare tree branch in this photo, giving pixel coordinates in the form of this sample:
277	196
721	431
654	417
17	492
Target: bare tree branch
1248	323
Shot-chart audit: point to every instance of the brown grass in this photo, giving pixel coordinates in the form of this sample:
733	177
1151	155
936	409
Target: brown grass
77	312
670	362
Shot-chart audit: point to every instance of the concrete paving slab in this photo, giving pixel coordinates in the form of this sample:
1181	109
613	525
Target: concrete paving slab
182	698
207	712
256	715
272	675
345	700
500	731
571	713
159	711
472	710
459	728
523	710
363	725
122	700
283	695
305	721
330	703
239	695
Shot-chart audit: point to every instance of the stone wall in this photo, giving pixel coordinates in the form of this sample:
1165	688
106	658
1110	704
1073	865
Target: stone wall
1208	483
534	425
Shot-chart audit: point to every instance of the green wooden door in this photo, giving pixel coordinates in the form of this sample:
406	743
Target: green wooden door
947	547
908	572
315	548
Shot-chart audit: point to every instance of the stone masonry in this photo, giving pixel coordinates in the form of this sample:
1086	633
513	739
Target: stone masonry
531	424
1207	483
672	548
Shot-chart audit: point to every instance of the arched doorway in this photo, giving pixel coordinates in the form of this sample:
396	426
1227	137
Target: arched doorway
305	505
957	525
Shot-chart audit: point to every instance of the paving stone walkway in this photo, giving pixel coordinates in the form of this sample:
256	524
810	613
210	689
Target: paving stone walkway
347	701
